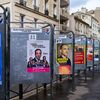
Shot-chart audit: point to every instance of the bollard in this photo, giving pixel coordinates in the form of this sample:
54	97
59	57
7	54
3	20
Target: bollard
20	91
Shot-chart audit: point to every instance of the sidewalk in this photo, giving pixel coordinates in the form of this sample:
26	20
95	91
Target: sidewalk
89	90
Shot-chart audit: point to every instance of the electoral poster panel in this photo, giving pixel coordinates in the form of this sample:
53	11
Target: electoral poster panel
30	55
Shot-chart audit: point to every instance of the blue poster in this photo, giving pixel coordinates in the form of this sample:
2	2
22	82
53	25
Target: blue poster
0	59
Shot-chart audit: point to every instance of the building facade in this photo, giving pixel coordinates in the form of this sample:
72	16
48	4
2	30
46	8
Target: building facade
89	19
78	26
64	15
95	13
36	11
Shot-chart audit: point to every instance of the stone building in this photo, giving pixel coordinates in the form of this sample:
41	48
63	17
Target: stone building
78	26
90	20
55	12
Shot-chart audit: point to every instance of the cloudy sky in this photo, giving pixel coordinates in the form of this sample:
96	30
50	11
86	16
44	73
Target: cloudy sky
76	5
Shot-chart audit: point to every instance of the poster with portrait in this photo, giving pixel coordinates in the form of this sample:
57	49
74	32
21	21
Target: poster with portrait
96	52
38	56
30	56
64	58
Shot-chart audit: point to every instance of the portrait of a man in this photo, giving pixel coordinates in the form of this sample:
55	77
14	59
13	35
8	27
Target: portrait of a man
38	60
63	54
63	58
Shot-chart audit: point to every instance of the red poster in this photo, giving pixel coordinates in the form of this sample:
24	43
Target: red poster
79	54
79	58
90	57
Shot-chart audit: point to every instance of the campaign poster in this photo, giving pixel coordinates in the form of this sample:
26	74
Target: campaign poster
38	56
96	51
64	58
0	59
90	53
96	54
79	54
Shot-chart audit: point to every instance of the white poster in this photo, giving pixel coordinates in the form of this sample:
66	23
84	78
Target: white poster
38	56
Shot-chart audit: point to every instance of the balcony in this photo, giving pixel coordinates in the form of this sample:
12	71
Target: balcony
64	14
64	3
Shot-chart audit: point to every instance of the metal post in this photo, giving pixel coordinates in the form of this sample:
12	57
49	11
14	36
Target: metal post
85	71
51	60
60	78
93	62
99	55
8	54
37	91
3	89
85	75
20	91
45	89
89	68
73	67
73	79
5	56
78	73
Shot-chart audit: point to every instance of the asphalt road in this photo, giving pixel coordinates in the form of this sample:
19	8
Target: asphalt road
89	90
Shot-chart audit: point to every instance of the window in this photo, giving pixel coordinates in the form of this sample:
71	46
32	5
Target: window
23	2
46	4
55	11
36	4
22	20
83	16
46	7
35	24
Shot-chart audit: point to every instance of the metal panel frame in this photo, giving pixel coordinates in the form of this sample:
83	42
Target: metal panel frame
5	70
20	93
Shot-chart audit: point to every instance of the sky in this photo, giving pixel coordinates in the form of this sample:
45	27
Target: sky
76	5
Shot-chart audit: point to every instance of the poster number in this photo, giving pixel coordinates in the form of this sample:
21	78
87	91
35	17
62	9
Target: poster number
32	36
